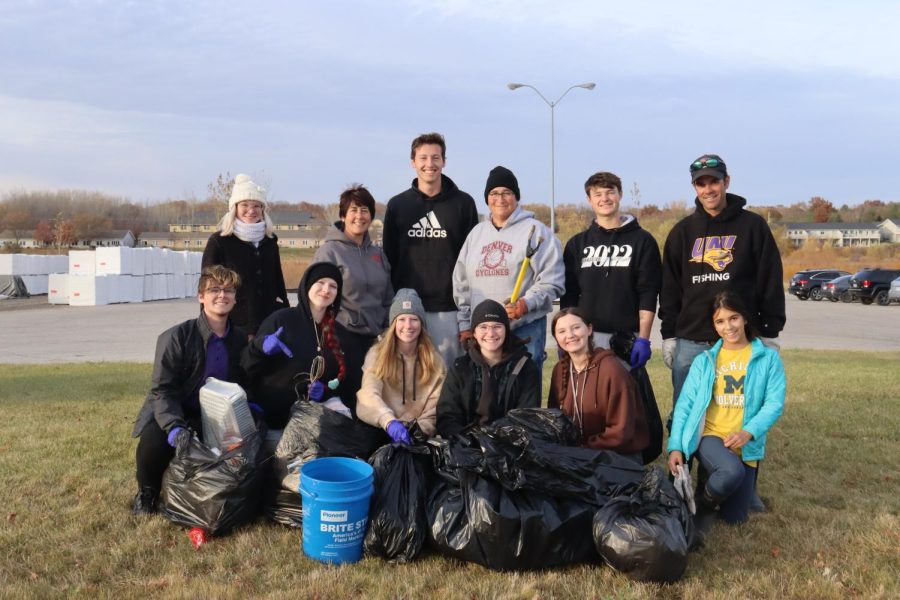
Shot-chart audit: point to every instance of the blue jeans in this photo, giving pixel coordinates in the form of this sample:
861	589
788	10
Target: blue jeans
730	479
537	331
685	353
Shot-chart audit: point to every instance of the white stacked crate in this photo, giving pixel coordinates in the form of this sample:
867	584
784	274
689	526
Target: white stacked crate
34	269
58	288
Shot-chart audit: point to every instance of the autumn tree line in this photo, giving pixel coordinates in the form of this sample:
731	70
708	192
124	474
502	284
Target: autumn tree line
59	218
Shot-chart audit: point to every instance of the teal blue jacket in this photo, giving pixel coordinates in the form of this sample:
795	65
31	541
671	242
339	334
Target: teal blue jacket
764	389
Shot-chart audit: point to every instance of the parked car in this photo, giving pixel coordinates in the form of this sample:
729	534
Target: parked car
808	284
873	285
838	289
894	292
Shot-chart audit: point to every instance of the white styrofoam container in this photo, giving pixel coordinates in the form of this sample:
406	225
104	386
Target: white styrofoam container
82	262
90	290
113	261
59	263
13	264
158	262
58	288
190	285
147	287
135	289
159	287
139	259
197	262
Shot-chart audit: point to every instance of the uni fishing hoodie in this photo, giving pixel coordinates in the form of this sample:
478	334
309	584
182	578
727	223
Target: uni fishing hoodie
703	255
611	274
422	238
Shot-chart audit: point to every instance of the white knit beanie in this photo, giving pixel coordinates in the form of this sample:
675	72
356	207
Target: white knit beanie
245	189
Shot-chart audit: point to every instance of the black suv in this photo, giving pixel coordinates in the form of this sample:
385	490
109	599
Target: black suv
873	285
808	284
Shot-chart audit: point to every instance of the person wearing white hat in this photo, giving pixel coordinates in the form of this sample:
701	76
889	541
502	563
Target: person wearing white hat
247	244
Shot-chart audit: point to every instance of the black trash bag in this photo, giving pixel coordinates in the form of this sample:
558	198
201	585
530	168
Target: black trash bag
651	412
283	506
313	431
621	343
479	521
509	452
646	531
398	522
214	492
547	424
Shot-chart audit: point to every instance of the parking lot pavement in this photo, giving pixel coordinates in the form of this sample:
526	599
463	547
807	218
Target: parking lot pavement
33	333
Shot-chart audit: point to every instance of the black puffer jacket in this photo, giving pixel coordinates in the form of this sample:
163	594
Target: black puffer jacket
178	369
262	289
517	385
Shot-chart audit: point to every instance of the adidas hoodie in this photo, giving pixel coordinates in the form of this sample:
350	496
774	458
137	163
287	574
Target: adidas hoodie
422	238
704	255
611	274
489	263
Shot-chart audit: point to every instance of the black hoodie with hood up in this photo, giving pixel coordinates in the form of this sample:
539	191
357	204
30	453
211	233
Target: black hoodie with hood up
703	255
273	379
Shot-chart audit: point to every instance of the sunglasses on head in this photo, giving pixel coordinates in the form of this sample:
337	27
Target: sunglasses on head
707	163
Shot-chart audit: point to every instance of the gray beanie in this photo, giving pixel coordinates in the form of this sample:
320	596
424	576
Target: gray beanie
407	302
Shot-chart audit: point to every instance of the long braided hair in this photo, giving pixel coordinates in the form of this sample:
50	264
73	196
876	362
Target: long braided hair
330	339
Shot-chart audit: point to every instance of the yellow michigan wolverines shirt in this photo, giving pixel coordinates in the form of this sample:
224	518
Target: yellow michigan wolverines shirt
725	414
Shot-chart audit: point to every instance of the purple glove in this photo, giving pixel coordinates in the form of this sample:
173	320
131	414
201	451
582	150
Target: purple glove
398	433
179	437
273	345
640	353
316	391
254	407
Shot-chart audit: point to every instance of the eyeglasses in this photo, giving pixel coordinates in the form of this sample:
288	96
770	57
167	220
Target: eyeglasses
505	195
215	291
707	163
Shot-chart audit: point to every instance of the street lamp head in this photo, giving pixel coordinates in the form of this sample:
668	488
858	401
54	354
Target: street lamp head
588	86
514	86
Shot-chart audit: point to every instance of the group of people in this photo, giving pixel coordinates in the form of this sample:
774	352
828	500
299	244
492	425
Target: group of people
445	324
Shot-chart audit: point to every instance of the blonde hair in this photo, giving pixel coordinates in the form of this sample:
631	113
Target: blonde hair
387	366
226	225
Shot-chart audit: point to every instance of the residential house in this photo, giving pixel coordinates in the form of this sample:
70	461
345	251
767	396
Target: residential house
844	235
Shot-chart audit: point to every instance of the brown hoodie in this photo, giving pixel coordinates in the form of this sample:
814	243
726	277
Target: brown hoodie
611	409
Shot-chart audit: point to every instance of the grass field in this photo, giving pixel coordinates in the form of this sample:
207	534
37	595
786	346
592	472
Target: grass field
831	481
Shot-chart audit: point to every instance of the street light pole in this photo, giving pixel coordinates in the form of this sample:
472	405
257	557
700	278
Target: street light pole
552	105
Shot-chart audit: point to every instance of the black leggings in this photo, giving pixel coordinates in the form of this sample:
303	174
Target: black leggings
154	454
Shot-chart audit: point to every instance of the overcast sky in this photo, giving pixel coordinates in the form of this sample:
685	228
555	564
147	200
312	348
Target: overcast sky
152	99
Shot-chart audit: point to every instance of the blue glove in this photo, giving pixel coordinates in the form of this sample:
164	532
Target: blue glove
398	433
316	391
178	437
640	353
273	345
254	407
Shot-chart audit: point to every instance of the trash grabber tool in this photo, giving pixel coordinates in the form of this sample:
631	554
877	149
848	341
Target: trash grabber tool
529	252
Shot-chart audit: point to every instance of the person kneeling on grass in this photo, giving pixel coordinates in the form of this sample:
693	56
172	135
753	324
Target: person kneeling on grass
208	346
733	394
495	375
592	387
403	373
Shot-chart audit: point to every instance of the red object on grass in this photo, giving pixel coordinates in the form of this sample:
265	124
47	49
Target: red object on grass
198	537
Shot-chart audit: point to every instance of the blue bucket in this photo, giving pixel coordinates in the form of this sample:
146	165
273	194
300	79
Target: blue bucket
335	494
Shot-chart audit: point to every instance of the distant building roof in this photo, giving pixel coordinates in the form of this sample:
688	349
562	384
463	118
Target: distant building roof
838	226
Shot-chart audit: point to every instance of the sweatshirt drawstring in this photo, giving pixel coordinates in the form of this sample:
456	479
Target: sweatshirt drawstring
403	366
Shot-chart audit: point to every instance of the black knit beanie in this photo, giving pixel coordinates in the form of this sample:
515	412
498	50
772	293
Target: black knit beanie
501	177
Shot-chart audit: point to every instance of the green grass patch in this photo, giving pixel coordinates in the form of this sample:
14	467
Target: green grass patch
67	465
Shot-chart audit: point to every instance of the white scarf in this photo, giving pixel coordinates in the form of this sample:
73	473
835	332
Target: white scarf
250	232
